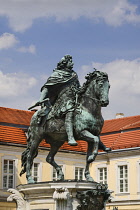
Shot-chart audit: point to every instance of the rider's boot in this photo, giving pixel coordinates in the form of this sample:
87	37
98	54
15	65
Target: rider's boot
69	129
103	147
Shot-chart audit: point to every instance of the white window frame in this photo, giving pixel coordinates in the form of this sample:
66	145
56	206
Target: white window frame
104	180
15	172
39	176
79	167
98	167
119	164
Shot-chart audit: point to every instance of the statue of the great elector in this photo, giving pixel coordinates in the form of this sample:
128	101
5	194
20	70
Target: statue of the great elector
70	113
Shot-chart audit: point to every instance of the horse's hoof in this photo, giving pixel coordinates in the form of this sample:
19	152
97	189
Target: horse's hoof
89	178
107	149
60	178
30	181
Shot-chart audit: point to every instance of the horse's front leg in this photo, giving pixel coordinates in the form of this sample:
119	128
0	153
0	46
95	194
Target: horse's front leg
93	145
87	173
92	151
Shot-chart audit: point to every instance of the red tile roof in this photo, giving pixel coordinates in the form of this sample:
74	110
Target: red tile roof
22	117
115	141
12	135
122	140
119	124
17	136
15	116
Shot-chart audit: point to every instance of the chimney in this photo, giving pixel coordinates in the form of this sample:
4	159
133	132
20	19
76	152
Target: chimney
119	115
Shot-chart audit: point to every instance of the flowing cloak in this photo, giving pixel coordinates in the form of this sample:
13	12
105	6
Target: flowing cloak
60	77
62	87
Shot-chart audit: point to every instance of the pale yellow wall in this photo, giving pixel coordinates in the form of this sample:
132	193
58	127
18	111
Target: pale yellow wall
7	206
112	161
13	152
1	169
70	161
123	207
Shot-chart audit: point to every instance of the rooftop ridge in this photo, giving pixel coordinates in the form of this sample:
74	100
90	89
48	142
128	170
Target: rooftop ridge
122	118
114	119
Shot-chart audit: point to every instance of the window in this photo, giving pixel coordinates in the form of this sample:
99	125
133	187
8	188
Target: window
102	175
79	173
54	176
35	172
123	178
8	174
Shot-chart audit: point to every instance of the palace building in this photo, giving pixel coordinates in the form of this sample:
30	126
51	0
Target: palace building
120	168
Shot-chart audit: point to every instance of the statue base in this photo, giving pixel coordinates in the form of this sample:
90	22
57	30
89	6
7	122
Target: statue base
61	195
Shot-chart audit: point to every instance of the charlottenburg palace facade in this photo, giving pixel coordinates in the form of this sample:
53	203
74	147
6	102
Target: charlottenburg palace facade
120	168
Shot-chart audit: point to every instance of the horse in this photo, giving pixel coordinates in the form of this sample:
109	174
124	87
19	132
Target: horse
87	126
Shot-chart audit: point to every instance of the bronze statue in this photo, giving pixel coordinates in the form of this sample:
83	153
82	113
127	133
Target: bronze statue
68	112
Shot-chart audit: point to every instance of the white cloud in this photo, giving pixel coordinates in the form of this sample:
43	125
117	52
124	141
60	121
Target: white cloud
19	90
124	77
30	49
15	85
7	41
21	14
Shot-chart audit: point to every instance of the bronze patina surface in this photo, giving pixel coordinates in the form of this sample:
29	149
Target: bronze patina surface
70	113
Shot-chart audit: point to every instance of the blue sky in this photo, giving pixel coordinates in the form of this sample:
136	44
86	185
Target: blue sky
104	34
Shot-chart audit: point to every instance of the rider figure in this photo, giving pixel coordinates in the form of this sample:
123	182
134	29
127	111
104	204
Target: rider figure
60	90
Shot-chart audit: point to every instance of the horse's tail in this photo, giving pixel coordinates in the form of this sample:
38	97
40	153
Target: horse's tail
24	155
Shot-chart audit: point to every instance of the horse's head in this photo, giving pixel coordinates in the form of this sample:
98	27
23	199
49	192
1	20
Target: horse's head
100	86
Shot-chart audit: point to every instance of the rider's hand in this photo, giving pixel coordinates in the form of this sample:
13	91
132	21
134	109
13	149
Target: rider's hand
37	103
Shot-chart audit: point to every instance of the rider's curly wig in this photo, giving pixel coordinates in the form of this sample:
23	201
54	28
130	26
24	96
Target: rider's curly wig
63	62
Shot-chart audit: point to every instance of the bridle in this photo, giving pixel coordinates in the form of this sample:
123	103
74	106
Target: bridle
93	99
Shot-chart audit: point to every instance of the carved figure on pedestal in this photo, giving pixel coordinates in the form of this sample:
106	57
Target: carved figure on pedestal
18	198
68	112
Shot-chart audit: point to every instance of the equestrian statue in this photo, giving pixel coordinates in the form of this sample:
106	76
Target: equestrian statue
69	112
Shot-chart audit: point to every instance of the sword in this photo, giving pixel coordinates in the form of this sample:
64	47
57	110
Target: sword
38	103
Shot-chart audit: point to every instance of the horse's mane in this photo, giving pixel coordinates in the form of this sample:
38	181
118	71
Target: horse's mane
92	76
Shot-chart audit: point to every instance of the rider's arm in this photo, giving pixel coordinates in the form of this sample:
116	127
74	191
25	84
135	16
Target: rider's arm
44	94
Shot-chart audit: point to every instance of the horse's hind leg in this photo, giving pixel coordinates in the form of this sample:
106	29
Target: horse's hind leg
50	158
30	156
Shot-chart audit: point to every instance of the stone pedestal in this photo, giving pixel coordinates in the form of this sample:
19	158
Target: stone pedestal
60	195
